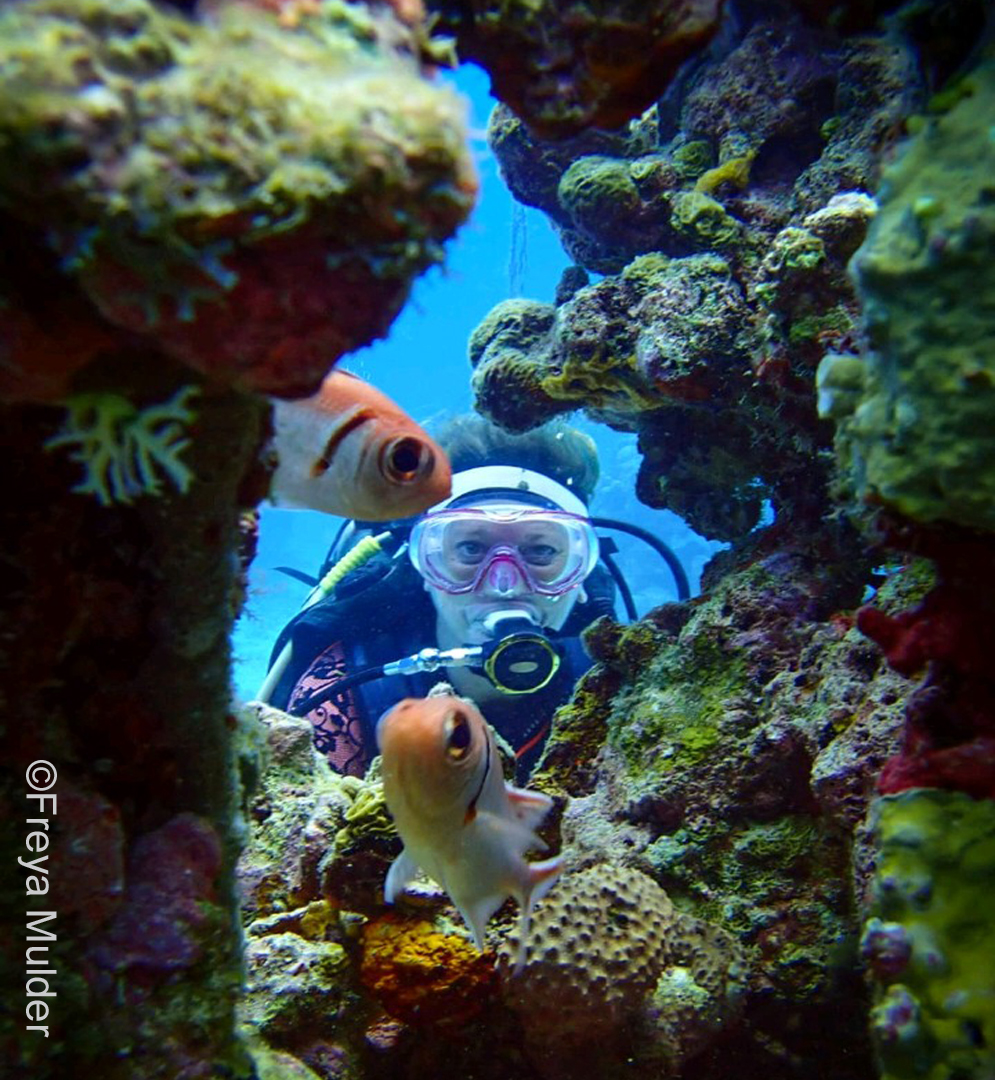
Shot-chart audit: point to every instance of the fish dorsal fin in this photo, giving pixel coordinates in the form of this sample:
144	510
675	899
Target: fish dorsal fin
401	873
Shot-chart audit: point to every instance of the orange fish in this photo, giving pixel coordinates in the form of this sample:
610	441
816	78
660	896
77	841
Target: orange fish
349	450
461	823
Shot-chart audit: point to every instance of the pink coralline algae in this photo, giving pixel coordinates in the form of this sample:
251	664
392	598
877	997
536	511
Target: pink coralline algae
166	909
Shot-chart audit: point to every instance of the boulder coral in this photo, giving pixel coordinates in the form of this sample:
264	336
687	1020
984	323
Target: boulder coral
607	950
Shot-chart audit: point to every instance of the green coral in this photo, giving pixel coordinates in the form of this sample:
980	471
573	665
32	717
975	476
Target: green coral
512	326
735	172
932	892
920	437
703	219
367	819
594	188
123	448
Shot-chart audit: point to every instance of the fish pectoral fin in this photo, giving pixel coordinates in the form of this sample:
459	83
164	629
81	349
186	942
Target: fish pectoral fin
401	873
529	807
540	878
477	914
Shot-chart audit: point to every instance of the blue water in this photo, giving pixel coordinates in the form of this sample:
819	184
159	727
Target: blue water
423	366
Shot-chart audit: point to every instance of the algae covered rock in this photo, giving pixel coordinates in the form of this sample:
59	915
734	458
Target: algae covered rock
914	422
564	67
929	938
257	197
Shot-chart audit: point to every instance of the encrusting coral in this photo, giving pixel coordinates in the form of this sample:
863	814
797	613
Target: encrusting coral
928	939
254	198
913	411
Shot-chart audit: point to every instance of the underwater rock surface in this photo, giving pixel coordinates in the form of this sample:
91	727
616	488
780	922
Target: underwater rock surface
914	411
775	804
254	198
564	67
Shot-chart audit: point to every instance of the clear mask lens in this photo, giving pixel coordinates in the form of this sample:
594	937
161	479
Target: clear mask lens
458	550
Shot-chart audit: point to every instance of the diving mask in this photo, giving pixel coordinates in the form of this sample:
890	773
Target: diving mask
458	549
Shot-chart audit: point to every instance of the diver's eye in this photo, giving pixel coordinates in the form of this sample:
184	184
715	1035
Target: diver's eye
457	729
469	552
540	554
407	459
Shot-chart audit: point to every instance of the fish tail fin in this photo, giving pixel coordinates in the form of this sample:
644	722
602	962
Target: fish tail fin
540	879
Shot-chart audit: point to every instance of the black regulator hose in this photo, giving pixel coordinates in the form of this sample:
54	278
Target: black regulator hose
680	577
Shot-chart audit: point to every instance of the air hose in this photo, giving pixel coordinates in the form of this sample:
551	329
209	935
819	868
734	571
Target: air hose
351	560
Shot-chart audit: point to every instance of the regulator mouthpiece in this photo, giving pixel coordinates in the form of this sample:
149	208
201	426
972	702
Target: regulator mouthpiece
522	660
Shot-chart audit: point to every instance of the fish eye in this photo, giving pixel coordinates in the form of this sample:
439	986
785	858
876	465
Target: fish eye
457	729
406	459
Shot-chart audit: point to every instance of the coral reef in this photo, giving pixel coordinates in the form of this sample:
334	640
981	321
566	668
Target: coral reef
723	220
565	67
742	738
422	976
118	675
254	198
949	739
928	938
913	421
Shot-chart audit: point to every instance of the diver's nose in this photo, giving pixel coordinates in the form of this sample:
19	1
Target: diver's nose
504	578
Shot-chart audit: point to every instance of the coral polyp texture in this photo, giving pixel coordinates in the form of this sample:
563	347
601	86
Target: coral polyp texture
928	939
564	67
254	196
914	410
602	946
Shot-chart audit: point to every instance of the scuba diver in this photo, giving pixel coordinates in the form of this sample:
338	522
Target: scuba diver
488	590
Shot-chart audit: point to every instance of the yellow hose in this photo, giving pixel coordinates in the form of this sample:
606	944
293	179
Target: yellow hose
351	560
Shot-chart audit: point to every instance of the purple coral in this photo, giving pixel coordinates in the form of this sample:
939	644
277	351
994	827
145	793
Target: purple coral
160	926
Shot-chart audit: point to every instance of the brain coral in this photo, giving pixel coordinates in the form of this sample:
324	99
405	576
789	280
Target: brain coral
599	943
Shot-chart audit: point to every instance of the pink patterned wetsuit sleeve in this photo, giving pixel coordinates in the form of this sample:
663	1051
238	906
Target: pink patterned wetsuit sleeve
337	725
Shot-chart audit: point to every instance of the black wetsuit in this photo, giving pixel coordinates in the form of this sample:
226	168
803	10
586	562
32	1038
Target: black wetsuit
380	614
